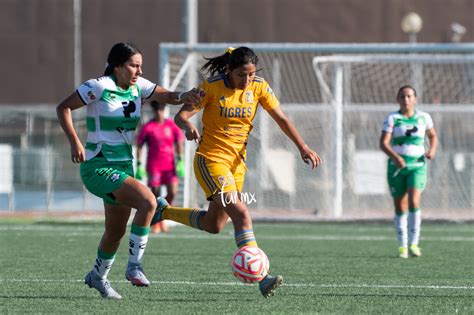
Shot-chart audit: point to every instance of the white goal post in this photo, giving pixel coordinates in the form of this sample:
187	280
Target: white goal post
337	96
334	75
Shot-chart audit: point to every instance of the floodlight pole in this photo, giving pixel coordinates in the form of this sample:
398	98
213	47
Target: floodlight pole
77	7
190	36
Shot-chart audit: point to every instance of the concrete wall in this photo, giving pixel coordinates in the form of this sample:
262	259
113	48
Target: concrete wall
37	35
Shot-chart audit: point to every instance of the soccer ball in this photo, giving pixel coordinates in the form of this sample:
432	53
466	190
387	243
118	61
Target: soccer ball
250	264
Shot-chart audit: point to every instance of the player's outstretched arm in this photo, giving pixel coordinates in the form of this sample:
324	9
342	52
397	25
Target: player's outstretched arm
162	95
307	154
182	120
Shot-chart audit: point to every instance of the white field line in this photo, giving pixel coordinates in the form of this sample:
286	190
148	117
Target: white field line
84	232
296	285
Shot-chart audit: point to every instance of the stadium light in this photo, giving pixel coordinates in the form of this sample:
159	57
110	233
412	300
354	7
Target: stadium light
458	31
412	24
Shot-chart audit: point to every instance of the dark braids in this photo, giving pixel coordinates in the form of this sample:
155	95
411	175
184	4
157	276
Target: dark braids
231	58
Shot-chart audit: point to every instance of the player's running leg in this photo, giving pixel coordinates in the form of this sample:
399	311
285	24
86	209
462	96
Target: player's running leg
116	218
134	194
244	235
400	221
414	221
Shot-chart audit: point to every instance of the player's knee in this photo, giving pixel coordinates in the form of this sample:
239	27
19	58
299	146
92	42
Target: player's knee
148	204
214	229
170	196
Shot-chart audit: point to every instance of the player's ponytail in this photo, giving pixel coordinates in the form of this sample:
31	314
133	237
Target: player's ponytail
118	55
232	58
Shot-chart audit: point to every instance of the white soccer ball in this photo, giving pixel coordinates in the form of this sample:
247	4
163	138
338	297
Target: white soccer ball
250	264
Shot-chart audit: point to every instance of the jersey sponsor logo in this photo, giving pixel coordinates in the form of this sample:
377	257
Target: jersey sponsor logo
123	129
249	97
238	112
410	130
109	173
128	108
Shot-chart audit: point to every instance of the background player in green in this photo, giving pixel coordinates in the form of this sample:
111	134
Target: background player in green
113	111
403	140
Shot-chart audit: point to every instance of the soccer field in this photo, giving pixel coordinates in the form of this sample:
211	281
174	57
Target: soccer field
327	267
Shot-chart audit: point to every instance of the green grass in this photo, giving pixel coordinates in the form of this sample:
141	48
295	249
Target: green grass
328	268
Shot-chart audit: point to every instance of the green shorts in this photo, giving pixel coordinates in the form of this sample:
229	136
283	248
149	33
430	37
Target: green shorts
412	176
102	177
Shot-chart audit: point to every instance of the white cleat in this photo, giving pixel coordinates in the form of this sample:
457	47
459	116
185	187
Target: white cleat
136	276
101	285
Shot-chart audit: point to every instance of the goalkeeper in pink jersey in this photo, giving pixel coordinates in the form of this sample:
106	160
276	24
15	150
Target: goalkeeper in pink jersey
162	138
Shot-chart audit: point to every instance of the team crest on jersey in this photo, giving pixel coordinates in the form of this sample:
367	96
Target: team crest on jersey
201	92
91	95
249	97
134	91
167	132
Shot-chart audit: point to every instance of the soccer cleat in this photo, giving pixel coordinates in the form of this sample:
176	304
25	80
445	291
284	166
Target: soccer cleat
161	226
101	285
156	228
161	205
403	252
415	251
136	276
269	284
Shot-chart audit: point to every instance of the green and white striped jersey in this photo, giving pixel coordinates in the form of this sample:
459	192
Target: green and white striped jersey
112	116
408	134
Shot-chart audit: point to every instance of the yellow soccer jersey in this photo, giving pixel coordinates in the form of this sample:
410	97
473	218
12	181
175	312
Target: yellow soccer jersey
227	117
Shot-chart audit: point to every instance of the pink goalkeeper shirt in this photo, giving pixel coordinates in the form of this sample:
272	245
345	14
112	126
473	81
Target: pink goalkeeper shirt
160	139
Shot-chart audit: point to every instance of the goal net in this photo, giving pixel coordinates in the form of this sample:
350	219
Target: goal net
338	103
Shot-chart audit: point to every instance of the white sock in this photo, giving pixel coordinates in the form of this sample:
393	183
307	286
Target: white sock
400	222
102	265
136	249
414	226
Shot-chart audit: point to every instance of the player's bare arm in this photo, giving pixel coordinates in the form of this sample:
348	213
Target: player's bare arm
182	120
63	111
307	154
162	95
385	146
433	139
